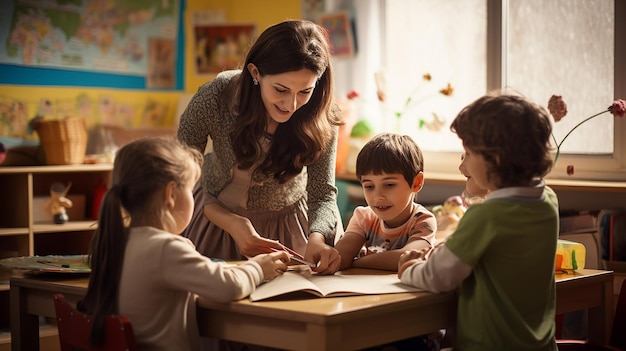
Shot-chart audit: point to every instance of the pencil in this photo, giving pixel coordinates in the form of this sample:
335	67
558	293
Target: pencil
292	255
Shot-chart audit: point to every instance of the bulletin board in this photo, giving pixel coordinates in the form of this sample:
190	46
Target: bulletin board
76	44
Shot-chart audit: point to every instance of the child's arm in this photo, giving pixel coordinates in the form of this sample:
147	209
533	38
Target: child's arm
422	233
411	257
388	260
349	246
442	271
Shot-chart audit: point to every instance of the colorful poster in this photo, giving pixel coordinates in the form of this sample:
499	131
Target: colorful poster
339	29
102	36
222	46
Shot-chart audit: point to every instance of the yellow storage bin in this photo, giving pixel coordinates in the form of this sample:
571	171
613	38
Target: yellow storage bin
570	255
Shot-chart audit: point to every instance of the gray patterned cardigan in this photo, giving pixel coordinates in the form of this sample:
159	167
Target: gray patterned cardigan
206	116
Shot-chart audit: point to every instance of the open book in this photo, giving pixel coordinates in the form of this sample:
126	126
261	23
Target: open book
331	285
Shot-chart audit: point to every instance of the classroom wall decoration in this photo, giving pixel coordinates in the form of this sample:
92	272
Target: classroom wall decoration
312	9
92	35
90	43
221	46
112	107
339	27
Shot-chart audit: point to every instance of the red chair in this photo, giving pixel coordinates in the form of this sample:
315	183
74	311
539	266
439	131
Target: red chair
75	327
618	331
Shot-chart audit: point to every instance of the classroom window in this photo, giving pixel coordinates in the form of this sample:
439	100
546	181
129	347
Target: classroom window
534	47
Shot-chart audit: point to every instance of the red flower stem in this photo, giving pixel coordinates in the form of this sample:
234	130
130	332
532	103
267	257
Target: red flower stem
558	147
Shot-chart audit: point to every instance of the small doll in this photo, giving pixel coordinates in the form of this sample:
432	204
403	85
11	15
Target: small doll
57	203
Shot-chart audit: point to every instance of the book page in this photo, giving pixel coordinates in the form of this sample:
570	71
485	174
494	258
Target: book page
331	285
288	282
337	285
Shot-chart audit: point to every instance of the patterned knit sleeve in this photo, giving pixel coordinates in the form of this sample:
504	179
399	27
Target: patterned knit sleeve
200	117
322	193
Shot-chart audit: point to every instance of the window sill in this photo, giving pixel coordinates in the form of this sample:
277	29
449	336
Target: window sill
556	184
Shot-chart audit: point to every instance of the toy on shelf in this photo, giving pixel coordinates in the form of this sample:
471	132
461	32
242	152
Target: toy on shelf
58	202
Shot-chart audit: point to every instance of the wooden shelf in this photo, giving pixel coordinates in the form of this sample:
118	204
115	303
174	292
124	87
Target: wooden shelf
57	169
587	185
14	231
25	232
71	226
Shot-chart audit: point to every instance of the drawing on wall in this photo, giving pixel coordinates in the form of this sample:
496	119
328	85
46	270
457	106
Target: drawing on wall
340	33
13	117
220	47
114	112
161	63
154	114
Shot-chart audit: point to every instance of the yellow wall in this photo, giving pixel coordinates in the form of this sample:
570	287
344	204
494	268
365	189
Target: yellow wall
124	108
263	13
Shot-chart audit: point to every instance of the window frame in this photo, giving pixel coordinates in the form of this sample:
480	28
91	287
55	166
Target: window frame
587	167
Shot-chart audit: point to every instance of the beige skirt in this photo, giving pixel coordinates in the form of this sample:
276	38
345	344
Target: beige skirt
289	226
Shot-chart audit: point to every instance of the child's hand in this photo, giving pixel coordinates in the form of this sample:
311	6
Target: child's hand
273	264
430	251
409	258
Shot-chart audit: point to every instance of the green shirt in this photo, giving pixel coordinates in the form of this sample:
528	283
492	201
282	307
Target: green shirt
508	301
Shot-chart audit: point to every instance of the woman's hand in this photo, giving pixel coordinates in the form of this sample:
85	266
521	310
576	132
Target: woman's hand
242	231
251	245
325	257
273	264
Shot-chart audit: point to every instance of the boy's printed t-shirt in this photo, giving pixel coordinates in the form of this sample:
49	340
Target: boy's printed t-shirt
378	238
508	302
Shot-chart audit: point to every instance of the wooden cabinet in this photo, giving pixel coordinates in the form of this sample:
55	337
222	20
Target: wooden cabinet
26	229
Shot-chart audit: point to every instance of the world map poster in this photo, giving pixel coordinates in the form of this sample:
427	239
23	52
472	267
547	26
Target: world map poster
111	36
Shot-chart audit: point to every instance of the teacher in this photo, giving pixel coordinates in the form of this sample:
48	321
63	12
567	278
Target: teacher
268	179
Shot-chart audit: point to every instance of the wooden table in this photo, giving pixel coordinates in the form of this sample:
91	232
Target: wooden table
338	323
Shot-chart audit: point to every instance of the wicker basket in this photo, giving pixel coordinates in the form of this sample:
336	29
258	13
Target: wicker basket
64	141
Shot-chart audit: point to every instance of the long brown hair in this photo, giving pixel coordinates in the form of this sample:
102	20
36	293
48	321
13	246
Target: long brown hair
141	171
284	47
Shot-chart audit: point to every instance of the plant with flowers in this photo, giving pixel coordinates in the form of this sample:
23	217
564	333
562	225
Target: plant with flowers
414	98
558	110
